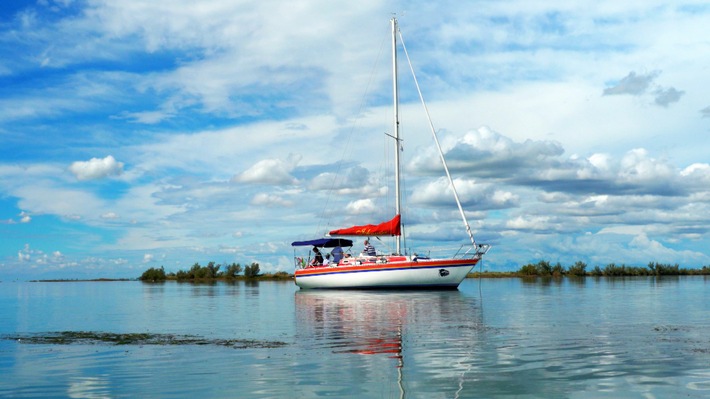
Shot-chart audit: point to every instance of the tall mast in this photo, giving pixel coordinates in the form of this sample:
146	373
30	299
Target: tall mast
397	192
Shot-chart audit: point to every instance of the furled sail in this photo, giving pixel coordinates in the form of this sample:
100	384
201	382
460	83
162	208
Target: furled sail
389	228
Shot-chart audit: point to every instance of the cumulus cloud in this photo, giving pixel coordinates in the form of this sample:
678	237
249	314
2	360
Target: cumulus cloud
530	223
362	206
25	254
477	196
487	153
634	173
541	164
700	169
270	171
638	173
25	217
655	249
147	258
96	168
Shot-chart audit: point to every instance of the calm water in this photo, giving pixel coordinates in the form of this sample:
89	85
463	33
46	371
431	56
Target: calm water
623	338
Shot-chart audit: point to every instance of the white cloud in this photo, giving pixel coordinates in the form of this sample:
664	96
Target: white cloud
269	200
532	223
270	171
25	217
96	168
490	154
362	206
477	196
24	255
147	258
636	167
701	170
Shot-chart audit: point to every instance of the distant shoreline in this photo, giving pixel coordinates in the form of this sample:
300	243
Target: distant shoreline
75	280
269	277
262	277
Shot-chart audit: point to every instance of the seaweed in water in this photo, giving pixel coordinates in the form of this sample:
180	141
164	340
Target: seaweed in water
98	338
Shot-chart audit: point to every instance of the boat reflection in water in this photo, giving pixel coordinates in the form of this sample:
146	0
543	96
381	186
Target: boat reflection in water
386	343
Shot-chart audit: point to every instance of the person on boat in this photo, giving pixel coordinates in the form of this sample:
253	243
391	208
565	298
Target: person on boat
369	250
326	261
337	253
317	257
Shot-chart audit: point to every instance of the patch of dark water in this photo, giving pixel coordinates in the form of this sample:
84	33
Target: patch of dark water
108	338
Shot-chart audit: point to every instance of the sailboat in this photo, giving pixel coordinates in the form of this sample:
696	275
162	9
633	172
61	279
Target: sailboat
396	270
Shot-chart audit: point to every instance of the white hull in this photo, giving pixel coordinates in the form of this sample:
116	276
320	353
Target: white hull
427	274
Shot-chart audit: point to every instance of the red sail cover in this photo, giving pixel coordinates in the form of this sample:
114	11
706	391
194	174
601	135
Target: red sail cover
390	228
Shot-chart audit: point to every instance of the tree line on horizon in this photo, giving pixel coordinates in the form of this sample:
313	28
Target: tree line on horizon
545	268
211	271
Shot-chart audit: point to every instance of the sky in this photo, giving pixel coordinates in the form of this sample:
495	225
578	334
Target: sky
149	133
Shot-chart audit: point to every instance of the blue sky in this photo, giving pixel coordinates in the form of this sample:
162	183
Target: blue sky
140	134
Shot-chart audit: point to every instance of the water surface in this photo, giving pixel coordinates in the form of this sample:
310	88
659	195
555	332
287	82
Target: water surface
585	338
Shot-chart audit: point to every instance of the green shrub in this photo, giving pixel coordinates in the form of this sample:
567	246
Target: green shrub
578	269
282	275
252	270
544	268
153	274
233	270
557	270
660	269
528	270
211	270
613	270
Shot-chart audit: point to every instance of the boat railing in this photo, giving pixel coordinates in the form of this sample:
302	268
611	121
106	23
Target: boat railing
481	249
470	251
464	251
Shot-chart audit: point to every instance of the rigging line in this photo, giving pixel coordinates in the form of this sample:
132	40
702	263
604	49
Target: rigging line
386	176
384	244
404	208
438	146
346	146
